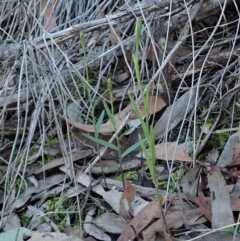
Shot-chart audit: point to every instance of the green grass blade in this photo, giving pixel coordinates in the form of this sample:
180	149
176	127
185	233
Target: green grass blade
99	123
137	33
101	142
138	29
82	39
109	113
137	111
112	169
132	148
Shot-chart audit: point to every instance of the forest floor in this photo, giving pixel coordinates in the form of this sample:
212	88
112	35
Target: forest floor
119	120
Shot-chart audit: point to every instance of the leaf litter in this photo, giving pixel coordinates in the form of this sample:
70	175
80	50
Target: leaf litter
75	185
155	105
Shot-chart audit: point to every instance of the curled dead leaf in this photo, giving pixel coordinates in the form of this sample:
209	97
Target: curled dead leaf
156	104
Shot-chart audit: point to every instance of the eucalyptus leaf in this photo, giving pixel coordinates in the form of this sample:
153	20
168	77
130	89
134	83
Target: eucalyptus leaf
176	113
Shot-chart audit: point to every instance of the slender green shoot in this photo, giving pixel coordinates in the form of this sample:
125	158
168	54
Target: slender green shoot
102	142
145	124
84	46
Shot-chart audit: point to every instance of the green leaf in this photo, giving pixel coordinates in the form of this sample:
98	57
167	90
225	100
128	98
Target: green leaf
109	113
82	39
137	32
99	123
101	142
137	70
80	77
229	229
84	81
113	168
137	111
138	28
132	148
109	84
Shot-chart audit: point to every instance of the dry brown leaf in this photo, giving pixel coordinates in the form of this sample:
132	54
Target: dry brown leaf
61	161
231	153
49	19
145	192
127	198
220	199
75	232
235	203
176	113
171	151
235	174
92	229
110	222
122	62
113	166
113	37
236	154
156	104
113	198
173	220
168	237
150	52
205	206
140	221
193	217
105	128
79	141
189	183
